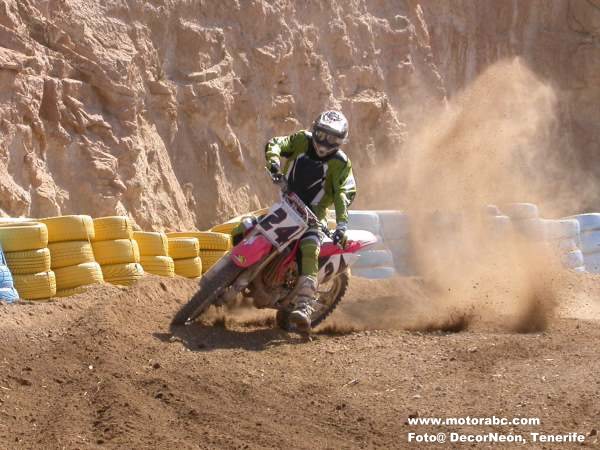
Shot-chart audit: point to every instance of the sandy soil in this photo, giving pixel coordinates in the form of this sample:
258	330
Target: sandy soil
101	370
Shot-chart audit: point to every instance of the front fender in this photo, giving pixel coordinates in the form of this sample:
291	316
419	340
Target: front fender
250	251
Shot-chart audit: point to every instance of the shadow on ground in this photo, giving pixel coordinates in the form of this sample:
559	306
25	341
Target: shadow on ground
199	337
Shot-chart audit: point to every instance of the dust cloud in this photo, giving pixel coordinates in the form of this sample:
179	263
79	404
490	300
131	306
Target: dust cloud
491	144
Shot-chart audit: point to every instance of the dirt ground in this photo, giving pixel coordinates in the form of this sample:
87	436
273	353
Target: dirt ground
101	370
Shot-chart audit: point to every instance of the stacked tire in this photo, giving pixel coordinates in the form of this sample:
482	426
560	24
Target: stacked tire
395	232
28	258
212	246
154	253
8	293
71	254
375	262
563	238
230	225
589	225
116	251
499	226
185	254
526	221
227	227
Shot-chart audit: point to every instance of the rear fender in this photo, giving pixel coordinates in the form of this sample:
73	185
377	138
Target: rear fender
251	250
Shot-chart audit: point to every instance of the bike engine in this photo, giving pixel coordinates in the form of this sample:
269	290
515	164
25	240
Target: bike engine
271	286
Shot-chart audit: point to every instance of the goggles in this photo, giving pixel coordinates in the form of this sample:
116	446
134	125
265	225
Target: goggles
326	139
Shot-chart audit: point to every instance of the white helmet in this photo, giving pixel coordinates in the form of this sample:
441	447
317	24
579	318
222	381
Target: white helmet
329	131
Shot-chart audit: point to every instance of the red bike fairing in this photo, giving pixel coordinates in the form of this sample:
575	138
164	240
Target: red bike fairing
250	251
330	249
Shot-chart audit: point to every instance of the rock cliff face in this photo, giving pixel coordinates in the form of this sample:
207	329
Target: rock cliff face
161	109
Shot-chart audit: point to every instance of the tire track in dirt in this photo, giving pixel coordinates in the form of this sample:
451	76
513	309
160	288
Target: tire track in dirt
242	384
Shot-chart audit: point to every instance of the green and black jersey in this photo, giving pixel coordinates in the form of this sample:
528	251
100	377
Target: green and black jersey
319	182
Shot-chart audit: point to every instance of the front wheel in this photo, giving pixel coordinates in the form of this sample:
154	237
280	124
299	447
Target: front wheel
211	286
329	295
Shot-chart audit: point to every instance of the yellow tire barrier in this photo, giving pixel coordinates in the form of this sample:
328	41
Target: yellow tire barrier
26	236
7	221
152	244
207	240
29	261
209	258
189	267
19	223
113	227
226	227
119	251
260	212
79	275
230	225
71	292
72	253
158	265
36	286
182	248
69	228
123	274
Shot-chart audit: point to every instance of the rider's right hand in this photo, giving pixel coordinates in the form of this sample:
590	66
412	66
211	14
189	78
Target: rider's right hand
275	171
274	168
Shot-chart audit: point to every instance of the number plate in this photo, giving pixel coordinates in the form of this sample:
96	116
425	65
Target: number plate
282	225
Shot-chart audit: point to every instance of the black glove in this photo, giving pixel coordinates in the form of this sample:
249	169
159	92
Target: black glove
274	168
339	236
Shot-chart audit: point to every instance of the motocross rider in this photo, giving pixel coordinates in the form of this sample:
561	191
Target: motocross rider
321	175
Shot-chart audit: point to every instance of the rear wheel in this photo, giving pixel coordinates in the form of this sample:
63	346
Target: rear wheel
211	286
330	294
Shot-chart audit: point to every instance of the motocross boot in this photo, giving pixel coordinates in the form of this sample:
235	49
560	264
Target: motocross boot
305	298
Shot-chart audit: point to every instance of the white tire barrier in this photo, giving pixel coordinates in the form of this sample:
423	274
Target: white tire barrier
565	245
571	239
400	249
9	295
6	279
405	267
403	256
394	225
561	229
592	262
491	210
379	245
374	258
590	242
364	220
531	229
521	211
499	227
374	273
573	259
587	222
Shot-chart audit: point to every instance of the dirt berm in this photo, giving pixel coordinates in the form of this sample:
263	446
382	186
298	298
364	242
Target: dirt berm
100	370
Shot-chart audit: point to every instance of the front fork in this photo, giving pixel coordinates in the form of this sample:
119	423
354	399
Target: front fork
244	280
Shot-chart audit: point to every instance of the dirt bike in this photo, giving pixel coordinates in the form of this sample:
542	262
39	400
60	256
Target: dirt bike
264	265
